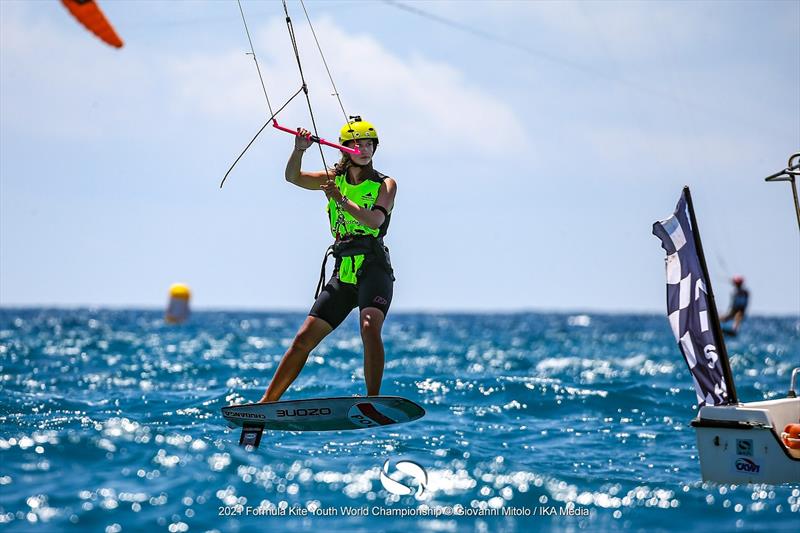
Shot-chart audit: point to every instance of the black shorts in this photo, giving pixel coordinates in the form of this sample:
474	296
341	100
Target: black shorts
337	299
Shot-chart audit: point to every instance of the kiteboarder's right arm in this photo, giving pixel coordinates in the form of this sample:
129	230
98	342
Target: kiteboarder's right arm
296	176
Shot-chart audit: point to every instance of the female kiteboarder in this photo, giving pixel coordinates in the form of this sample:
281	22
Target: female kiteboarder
360	203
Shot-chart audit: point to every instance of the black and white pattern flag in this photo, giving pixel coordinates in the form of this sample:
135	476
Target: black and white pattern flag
687	306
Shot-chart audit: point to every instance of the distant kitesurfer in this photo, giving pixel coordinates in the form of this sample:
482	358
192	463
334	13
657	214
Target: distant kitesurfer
738	307
360	202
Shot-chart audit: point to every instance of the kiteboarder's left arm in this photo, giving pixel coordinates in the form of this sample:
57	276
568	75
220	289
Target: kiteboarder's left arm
370	217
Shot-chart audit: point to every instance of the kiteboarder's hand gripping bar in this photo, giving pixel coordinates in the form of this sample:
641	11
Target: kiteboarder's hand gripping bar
314	138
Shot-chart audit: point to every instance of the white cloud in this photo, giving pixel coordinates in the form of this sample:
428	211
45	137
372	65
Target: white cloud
626	29
61	82
584	31
411	100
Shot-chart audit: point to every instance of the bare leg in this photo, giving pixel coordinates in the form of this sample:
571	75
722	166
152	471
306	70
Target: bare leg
737	320
371	324
308	337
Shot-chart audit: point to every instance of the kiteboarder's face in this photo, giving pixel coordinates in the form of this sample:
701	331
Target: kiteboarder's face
366	147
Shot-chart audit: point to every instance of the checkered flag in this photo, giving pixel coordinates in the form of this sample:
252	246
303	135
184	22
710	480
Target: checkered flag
688	306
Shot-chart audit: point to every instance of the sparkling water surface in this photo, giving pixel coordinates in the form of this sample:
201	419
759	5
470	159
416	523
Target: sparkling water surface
110	421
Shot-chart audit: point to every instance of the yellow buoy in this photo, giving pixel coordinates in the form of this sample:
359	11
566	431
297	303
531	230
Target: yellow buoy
178	306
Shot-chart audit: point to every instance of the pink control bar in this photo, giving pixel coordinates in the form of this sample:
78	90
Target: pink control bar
314	138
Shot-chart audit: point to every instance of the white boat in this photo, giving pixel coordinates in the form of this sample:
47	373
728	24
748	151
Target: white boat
742	443
754	442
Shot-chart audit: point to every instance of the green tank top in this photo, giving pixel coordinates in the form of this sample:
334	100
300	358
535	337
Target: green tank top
344	225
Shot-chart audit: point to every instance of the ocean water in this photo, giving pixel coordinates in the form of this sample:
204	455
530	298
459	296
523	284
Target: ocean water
110	421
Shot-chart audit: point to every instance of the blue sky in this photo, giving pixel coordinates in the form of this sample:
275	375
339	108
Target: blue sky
528	175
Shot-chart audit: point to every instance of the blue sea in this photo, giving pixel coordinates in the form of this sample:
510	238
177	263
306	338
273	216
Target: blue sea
110	421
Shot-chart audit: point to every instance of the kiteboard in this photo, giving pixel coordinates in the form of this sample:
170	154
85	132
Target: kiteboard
319	414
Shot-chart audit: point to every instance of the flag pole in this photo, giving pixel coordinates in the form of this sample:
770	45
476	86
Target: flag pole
719	340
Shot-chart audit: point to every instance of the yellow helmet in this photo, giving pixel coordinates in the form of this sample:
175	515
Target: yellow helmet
357	129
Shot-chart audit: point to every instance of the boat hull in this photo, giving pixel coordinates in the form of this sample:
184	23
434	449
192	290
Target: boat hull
741	444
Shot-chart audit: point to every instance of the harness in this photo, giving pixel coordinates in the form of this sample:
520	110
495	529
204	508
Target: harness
352	255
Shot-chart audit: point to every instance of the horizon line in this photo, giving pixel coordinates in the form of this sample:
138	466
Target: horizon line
404	311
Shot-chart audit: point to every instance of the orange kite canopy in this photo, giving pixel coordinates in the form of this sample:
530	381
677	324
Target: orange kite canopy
88	13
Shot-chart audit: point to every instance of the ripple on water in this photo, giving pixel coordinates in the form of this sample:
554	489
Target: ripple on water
110	421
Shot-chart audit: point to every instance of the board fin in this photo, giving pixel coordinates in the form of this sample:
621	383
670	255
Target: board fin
251	436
